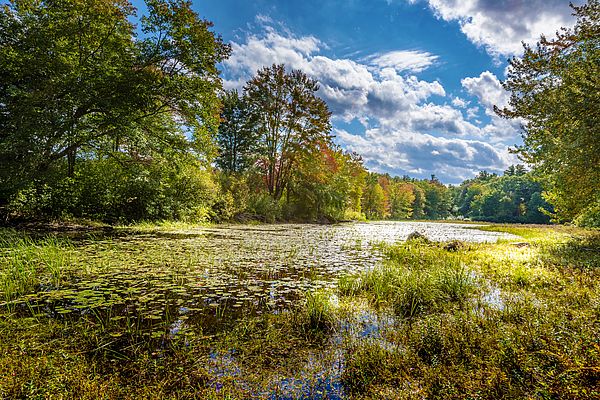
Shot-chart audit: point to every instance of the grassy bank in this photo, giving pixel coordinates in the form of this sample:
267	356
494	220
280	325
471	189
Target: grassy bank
505	320
122	316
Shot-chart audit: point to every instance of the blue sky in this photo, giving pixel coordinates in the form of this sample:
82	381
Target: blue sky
411	83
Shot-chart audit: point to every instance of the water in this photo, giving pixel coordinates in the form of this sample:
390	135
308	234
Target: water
226	270
159	285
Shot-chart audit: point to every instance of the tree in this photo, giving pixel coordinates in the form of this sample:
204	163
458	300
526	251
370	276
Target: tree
555	92
374	201
291	119
515	170
468	191
402	197
322	184
77	80
237	138
437	199
419	204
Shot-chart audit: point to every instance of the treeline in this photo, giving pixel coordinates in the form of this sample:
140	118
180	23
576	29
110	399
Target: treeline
396	198
106	120
516	196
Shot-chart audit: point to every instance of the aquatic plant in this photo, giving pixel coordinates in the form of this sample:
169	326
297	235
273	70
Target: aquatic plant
319	311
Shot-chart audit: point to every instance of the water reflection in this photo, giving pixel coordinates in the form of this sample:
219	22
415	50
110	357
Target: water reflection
223	271
166	285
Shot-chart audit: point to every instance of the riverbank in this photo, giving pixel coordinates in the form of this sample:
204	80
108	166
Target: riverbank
286	311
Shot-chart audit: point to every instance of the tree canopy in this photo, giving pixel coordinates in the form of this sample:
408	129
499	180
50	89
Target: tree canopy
291	119
77	78
105	114
555	92
237	136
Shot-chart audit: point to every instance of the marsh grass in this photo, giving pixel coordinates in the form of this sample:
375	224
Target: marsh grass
95	318
540	342
320	311
416	277
26	264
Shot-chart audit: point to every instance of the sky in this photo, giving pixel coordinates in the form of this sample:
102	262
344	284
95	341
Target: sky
411	84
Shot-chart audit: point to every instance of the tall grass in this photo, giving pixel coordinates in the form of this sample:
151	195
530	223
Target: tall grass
27	264
415	278
319	311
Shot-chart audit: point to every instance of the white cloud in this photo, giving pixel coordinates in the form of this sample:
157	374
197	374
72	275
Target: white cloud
403	60
458	102
404	152
264	50
488	90
500	26
352	90
406	131
264	19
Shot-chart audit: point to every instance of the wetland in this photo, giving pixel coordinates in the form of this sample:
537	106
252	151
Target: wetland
292	311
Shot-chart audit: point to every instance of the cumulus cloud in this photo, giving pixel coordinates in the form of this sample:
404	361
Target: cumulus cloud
268	48
489	92
400	152
411	125
500	26
352	90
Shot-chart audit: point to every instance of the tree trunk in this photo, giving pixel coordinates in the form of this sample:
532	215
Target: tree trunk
71	155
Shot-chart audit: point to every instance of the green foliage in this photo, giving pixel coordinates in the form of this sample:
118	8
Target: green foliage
385	197
555	90
402	200
291	120
317	189
110	191
80	83
514	197
374	199
262	205
264	141
237	137
590	217
437	199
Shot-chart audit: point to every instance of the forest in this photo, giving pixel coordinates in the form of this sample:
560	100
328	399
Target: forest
164	236
105	120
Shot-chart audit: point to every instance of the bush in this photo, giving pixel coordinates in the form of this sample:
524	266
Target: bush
590	217
263	205
113	191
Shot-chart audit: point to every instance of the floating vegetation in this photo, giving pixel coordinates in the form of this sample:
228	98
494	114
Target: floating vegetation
268	311
210	270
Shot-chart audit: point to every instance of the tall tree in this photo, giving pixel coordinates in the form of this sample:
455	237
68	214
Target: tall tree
402	197
555	91
237	138
291	119
76	78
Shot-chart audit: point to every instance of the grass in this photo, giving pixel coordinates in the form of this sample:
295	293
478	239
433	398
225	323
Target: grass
29	264
415	278
539	339
319	311
94	317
